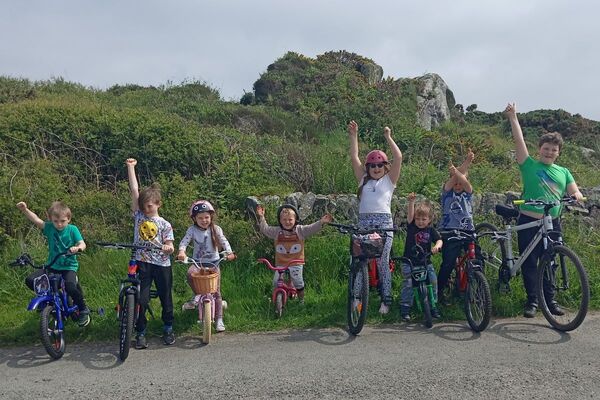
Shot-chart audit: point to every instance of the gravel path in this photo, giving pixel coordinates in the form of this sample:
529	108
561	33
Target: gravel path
512	359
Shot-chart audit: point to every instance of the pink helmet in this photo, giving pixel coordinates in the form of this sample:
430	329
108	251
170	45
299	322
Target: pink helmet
200	206
376	156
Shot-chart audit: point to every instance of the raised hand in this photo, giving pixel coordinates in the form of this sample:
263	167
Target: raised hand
387	132
412	196
22	206
131	162
260	211
353	128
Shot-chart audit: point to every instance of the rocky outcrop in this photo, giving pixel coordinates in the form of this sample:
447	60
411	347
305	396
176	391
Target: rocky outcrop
434	101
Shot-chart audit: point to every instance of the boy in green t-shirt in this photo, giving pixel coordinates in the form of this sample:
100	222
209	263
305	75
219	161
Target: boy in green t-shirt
542	179
61	236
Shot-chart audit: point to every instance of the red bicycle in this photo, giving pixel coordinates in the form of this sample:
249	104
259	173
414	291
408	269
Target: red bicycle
467	280
284	289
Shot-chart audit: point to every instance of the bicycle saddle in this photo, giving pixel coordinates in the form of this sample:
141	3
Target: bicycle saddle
506	212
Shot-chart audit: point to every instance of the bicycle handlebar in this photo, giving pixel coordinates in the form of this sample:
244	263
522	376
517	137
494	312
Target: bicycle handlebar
278	269
128	246
223	256
25	259
458	235
548	204
358	230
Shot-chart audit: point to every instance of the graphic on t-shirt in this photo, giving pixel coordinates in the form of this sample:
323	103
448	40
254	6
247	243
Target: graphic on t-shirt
148	230
294	248
548	184
466	223
422	237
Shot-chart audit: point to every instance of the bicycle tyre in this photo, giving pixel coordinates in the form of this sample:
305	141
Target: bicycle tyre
358	296
478	302
126	326
493	253
52	339
206	322
574	297
424	294
279	304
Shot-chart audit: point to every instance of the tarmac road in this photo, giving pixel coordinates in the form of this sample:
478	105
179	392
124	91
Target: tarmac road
512	359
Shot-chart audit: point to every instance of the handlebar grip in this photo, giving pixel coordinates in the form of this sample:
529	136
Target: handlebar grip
518	202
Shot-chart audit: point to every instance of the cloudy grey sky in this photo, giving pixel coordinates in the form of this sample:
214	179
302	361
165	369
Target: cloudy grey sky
539	53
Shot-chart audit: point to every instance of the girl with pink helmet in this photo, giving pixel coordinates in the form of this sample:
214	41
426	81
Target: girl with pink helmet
209	240
377	179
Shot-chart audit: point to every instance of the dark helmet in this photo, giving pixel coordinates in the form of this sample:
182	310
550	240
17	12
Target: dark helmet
201	206
291	207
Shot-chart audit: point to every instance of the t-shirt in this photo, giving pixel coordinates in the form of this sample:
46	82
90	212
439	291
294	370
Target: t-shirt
59	242
204	248
376	196
153	231
543	182
457	210
424	237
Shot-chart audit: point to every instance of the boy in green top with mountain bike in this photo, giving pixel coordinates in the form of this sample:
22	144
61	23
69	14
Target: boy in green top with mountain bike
542	179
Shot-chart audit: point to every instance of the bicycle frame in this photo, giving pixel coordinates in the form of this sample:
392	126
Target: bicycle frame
57	295
545	226
283	285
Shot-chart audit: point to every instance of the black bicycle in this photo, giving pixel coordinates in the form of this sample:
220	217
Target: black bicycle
128	306
365	244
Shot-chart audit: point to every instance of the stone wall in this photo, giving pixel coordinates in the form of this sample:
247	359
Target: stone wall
344	207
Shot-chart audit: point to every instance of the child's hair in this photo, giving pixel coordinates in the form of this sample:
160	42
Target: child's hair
59	209
424	208
552	138
287	211
150	194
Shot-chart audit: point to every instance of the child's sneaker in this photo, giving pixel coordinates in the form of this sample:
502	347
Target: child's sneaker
84	317
435	313
169	337
140	341
224	304
219	325
384	309
405	313
189	305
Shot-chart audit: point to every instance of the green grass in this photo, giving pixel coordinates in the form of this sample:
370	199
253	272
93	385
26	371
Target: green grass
246	285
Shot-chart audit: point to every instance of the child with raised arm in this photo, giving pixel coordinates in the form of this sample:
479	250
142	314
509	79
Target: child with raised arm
289	239
377	179
208	240
153	266
61	236
542	179
457	214
418	233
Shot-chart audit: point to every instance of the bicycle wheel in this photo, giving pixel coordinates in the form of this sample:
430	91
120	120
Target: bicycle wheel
493	252
126	326
478	301
424	294
563	275
52	338
358	296
279	304
206	322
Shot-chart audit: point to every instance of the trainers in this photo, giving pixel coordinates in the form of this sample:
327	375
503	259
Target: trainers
224	304
405	313
189	305
219	325
529	310
384	309
84	317
435	313
555	309
169	337
140	342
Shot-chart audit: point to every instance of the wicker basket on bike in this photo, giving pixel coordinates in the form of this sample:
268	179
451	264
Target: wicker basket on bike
368	246
203	280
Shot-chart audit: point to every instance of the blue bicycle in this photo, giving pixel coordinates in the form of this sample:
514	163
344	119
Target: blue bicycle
51	298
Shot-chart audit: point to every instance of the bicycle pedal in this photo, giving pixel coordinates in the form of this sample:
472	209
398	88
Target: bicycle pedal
504	288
